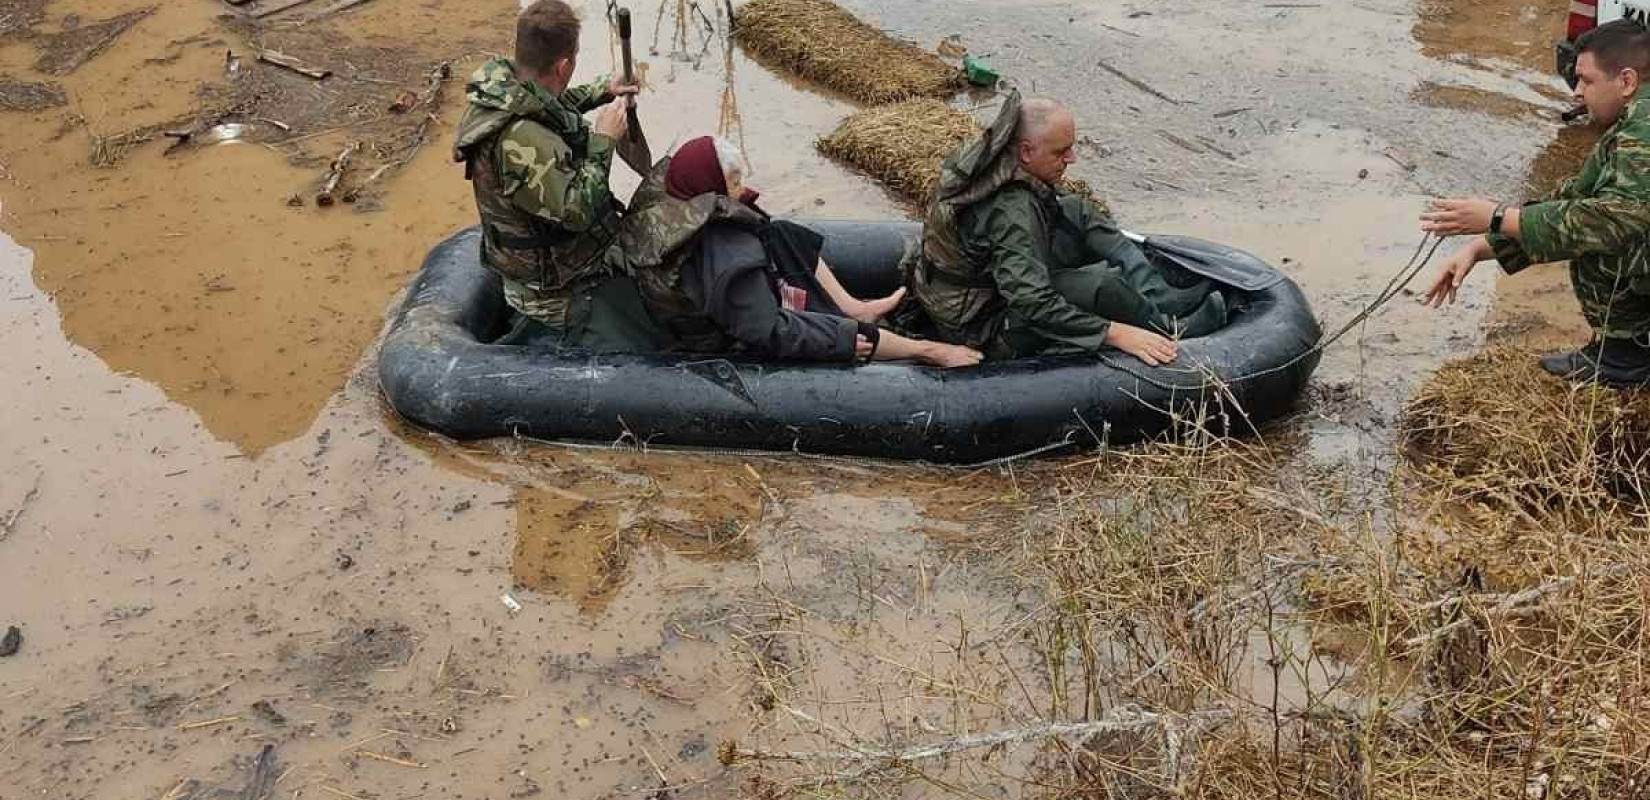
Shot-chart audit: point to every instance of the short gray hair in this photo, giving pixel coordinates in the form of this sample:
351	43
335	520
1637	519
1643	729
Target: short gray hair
1036	115
731	160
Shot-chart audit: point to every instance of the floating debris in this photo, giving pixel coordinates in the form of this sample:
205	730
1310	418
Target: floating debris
63	53
20	96
287	62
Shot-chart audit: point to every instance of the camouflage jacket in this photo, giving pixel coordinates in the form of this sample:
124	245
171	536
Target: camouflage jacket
1600	221
540	176
659	237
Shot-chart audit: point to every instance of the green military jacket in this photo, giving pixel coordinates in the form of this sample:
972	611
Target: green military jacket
659	237
1600	221
549	222
983	278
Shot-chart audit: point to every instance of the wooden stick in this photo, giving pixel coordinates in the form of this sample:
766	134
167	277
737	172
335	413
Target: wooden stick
8	521
411	735
344	6
366	741
1138	84
278	7
285	61
339	793
390	759
1511	602
329	186
190	726
184	788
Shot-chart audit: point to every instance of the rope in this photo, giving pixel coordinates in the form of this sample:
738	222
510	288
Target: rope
859	461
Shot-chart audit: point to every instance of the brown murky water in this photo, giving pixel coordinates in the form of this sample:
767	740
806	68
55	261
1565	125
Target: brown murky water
207	506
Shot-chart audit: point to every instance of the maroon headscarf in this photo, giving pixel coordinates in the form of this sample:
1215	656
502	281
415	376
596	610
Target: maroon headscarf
695	170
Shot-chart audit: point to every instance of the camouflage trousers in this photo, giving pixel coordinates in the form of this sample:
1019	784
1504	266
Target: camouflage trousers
1616	306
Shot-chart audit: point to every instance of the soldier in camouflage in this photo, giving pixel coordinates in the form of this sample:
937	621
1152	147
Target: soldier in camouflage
1014	265
1599	220
540	174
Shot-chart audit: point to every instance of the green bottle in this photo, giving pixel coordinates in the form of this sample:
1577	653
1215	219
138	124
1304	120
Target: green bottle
978	73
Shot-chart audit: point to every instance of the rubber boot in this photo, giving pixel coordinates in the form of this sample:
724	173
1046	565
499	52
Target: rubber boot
1620	363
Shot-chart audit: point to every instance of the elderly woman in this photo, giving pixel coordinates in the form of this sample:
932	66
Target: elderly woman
718	275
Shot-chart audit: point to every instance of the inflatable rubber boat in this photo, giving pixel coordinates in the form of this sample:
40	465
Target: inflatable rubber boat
438	369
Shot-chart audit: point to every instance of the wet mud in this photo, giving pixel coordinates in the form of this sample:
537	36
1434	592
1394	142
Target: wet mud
218	539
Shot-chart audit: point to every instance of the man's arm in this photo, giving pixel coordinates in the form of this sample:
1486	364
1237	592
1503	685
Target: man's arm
1615	217
589	96
548	184
1019	265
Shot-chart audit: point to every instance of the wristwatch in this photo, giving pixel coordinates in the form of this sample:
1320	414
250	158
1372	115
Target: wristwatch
1496	216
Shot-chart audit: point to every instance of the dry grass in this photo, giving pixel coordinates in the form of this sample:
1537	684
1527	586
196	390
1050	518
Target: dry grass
822	42
1489	642
1495	428
903	144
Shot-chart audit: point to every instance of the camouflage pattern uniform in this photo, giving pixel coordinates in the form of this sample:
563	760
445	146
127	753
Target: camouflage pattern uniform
1600	221
548	220
655	237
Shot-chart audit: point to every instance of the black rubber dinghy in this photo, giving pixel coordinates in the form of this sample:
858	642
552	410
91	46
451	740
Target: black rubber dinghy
438	369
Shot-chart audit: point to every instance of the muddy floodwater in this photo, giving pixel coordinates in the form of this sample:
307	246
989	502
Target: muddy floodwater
214	536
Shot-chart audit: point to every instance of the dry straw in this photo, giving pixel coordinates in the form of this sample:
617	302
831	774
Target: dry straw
903	144
1499	430
822	42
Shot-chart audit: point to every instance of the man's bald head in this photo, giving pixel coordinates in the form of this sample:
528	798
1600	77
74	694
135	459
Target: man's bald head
1046	133
1038	114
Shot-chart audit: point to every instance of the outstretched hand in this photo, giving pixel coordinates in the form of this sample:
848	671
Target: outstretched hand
1448	283
1458	217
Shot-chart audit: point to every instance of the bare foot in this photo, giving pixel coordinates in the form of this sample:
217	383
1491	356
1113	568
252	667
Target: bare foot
950	356
873	311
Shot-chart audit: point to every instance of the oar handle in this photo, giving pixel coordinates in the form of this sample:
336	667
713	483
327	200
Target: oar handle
623	16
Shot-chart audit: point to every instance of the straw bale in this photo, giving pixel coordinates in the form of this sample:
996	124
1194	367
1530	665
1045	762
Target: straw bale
903	144
822	42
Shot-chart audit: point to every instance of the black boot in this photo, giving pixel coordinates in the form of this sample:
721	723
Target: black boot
1619	363
1575	365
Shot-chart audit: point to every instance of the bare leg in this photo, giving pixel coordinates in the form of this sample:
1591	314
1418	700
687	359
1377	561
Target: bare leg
862	310
894	347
